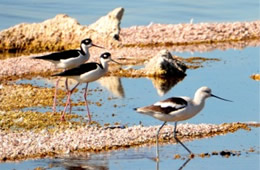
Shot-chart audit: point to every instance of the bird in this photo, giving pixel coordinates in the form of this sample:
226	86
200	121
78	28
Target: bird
177	109
68	59
86	73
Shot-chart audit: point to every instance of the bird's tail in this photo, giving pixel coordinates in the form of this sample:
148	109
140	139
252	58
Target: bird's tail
36	57
54	75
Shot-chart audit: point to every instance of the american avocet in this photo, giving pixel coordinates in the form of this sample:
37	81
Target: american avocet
68	59
86	73
176	109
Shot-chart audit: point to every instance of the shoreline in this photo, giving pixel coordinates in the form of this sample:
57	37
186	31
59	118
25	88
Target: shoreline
31	145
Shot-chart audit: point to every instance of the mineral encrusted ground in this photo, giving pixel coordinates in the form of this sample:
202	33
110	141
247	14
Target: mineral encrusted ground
66	32
60	141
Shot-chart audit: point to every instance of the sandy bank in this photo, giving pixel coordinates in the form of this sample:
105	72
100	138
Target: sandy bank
28	144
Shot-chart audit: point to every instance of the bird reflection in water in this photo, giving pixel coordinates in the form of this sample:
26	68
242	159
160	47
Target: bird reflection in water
79	163
181	167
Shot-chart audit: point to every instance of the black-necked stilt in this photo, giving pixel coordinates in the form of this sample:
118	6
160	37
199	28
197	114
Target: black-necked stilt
86	73
69	59
176	109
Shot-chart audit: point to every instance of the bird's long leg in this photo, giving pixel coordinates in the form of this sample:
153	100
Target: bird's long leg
175	137
68	90
67	102
157	142
86	102
55	95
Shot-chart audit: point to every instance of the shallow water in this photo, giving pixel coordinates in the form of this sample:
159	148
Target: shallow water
228	78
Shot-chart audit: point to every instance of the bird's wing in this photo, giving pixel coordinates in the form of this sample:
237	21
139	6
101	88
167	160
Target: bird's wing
57	56
83	68
169	105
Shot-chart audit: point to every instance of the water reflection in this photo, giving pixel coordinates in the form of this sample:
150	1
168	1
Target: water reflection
181	167
100	161
163	85
184	164
81	163
113	84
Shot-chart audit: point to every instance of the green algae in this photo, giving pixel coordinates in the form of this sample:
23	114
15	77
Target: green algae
36	121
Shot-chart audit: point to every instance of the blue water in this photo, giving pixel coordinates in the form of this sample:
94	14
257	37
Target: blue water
228	78
136	12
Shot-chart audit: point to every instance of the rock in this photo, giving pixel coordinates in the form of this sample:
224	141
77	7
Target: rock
109	24
163	64
59	33
255	77
40	35
63	32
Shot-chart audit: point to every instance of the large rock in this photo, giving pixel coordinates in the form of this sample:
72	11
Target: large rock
59	33
109	24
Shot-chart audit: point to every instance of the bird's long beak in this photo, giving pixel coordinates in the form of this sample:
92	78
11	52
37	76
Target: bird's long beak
115	61
220	98
94	45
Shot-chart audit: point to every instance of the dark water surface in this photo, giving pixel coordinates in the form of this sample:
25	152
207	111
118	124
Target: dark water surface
228	78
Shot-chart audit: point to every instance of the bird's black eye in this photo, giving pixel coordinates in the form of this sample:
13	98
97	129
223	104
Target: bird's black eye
87	41
207	91
106	55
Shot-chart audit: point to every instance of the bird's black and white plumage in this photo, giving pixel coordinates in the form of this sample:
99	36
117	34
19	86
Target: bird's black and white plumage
86	73
176	109
167	106
70	58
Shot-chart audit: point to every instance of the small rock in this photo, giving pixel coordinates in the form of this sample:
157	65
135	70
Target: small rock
255	77
163	64
225	153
